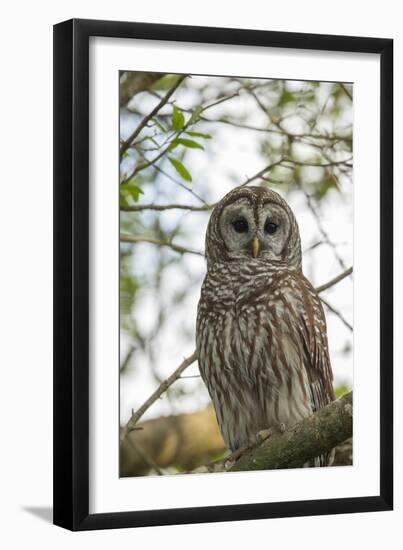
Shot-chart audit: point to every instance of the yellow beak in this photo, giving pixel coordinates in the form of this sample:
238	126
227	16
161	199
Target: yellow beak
255	247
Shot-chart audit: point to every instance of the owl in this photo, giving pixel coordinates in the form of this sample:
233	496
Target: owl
261	330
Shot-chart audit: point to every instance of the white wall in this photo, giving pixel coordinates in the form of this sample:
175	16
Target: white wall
25	272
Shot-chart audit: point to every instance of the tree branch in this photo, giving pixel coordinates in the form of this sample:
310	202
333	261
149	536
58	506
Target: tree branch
338	314
334	281
313	436
154	396
162	207
175	247
262	172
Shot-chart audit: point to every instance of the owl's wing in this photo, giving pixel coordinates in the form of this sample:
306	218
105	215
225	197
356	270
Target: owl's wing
312	329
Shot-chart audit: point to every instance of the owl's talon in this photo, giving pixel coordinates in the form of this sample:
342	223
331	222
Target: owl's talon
233	457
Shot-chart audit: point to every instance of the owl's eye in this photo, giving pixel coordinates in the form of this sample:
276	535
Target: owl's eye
270	227
240	225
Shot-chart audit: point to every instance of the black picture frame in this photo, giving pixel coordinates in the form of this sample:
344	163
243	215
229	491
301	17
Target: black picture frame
72	284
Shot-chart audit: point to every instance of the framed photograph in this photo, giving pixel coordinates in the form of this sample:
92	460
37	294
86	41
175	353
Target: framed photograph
223	263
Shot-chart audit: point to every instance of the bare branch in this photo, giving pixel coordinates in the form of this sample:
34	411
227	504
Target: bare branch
334	281
145	457
162	207
346	162
262	172
338	314
175	247
154	396
322	229
346	91
282	132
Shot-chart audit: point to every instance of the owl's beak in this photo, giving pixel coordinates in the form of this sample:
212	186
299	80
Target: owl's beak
255	247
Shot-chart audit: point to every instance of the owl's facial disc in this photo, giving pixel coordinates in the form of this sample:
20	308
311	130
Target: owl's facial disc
273	230
254	230
238	227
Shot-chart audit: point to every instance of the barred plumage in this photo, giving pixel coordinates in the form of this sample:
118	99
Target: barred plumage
261	330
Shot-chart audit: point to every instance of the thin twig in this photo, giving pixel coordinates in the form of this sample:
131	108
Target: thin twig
147	459
334	281
177	248
162	207
127	358
338	314
262	172
279	132
154	396
176	181
322	229
126	144
346	91
346	162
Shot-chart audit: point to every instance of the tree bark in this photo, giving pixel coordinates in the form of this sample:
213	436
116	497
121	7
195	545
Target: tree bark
311	437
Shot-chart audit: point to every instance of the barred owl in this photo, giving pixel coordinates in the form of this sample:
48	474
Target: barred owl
261	330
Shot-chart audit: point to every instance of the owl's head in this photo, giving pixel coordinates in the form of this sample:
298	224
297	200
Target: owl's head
250	223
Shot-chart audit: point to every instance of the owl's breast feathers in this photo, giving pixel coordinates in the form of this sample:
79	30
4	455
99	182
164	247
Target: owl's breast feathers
262	346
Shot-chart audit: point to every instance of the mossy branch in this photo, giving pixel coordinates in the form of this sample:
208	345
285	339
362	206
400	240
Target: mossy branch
311	437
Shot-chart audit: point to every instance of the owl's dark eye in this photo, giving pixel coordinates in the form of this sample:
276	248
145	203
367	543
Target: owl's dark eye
270	227
240	225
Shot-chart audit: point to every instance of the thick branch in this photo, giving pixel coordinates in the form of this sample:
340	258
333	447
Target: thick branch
311	437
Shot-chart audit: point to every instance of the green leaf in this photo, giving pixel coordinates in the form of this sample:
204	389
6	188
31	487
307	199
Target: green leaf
166	82
172	145
182	171
199	135
178	120
188	143
129	189
122	200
